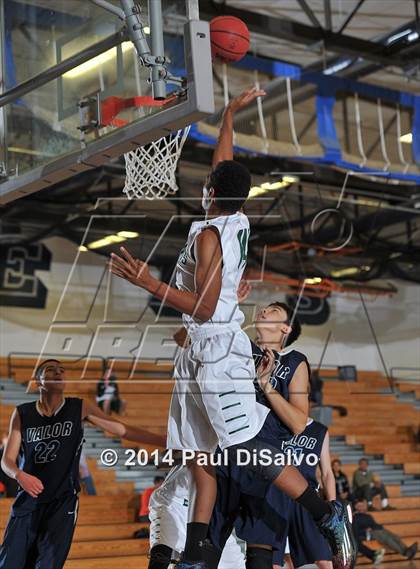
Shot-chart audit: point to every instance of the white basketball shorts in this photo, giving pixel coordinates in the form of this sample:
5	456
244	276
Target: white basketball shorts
214	402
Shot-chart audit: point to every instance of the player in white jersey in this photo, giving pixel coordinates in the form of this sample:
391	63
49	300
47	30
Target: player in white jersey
214	400
168	523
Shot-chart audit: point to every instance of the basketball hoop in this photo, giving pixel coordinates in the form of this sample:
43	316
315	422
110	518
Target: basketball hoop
151	169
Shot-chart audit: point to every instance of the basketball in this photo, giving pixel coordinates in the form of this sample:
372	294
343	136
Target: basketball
229	38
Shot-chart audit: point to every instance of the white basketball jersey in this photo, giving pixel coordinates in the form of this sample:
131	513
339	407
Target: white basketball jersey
234	234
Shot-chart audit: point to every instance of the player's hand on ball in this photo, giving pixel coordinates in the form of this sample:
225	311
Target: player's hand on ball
133	270
244	290
244	99
31	484
265	369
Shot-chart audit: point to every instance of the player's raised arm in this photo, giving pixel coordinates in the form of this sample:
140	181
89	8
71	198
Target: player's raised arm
97	417
31	484
202	302
293	413
327	475
224	146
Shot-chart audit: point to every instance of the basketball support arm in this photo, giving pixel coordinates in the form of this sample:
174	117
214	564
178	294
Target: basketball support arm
154	58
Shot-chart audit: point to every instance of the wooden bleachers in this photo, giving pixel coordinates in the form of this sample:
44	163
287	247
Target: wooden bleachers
387	427
372	418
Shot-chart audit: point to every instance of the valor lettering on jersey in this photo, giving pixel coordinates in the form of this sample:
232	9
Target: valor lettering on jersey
280	372
299	448
300	441
34	434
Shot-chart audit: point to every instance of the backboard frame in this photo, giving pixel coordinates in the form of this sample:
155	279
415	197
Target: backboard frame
198	104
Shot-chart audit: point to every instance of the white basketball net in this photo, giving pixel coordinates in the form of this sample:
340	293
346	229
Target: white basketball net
150	169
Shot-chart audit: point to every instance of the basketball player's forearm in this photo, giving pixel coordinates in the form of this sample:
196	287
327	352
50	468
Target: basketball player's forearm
186	302
142	436
224	147
128	432
9	467
114	427
328	482
290	415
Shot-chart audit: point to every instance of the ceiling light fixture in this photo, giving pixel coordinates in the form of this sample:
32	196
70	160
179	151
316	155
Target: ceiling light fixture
346	272
111	239
313	280
100	59
407	138
128	234
269	186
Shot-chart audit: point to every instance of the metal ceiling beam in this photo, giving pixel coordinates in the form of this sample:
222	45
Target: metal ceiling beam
308	11
328	15
350	16
308	35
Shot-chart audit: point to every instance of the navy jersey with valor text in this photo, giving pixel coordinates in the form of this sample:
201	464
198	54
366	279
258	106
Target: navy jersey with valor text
50	450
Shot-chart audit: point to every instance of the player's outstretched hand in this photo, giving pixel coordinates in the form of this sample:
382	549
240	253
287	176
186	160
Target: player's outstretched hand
127	267
244	99
265	369
31	484
244	290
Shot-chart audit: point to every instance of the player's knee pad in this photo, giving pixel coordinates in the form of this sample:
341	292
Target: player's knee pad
259	558
160	557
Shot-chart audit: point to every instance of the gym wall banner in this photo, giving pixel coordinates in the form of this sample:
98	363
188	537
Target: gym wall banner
312	310
19	285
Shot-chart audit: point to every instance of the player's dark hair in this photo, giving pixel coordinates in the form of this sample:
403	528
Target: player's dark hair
292	321
231	182
157	479
42	365
365	459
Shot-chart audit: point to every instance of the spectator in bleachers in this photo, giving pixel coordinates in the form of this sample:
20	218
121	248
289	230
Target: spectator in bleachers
342	486
365	528
145	498
8	486
367	485
107	394
85	476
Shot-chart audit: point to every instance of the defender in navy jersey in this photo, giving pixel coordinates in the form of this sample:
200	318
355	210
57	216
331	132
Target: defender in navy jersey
244	501
281	384
46	436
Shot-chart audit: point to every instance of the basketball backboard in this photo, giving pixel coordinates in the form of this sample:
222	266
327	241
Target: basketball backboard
60	64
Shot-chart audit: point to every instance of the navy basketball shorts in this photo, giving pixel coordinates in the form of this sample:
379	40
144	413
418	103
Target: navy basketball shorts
306	543
40	538
242	504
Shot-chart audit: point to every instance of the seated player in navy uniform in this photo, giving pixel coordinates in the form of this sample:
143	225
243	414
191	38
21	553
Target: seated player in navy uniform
47	437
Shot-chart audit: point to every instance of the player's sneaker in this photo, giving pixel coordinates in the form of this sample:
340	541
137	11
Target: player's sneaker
378	556
337	530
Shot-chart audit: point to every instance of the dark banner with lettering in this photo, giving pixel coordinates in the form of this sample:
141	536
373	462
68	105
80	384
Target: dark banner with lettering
312	310
19	285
